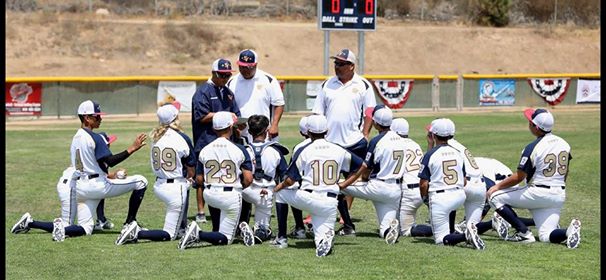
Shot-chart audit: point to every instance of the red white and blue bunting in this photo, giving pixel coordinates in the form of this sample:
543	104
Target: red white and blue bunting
552	91
394	93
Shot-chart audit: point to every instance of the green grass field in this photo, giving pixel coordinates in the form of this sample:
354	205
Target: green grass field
35	158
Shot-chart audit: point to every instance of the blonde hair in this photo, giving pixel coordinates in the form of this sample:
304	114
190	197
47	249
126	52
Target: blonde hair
159	131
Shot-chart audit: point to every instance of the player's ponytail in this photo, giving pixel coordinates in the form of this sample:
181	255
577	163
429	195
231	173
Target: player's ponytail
159	131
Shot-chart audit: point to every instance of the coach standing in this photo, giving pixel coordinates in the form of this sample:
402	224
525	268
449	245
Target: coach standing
347	99
211	97
257	93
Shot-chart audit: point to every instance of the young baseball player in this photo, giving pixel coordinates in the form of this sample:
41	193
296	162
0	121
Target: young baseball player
411	198
298	232
383	177
224	169
544	164
317	166
66	189
172	161
270	165
442	178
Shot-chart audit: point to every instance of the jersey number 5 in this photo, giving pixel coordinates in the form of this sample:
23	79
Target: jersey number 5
450	174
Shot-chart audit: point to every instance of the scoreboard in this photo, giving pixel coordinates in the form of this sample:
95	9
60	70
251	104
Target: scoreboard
347	15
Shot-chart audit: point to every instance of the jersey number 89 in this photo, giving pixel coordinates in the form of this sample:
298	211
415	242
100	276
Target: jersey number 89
165	159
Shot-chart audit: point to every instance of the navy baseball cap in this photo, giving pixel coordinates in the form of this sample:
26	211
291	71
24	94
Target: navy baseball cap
90	107
222	65
248	57
541	118
345	55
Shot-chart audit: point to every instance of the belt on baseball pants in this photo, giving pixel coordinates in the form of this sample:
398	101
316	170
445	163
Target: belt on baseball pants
329	194
170	181
446	190
469	179
89	176
225	189
389	181
548	187
412	186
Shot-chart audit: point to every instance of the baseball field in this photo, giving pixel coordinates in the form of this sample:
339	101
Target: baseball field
37	153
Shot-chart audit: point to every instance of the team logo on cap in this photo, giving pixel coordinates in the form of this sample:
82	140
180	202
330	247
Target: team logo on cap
226	65
246	58
394	93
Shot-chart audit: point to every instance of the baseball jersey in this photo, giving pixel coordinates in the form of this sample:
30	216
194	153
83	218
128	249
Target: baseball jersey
493	170
318	164
221	162
412	161
344	106
385	156
545	161
443	166
86	149
209	98
257	95
471	167
294	151
272	163
171	154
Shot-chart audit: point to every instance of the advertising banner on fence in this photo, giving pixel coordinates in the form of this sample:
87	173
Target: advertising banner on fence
588	91
501	92
23	99
312	90
394	93
553	91
176	91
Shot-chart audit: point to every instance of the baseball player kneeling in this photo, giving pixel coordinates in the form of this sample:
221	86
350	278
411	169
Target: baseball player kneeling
224	169
442	181
269	165
318	165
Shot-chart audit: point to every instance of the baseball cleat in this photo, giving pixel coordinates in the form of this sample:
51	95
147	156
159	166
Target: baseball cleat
500	225
297	233
129	234
526	237
201	218
191	236
247	234
99	225
325	246
392	233
279	242
461	227
471	234
346	231
22	226
58	230
574	234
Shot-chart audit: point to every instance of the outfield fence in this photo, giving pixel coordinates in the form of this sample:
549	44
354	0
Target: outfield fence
138	94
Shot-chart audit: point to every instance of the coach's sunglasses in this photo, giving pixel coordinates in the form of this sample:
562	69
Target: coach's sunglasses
341	64
223	75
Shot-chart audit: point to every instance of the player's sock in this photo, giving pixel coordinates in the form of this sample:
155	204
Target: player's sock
74	230
245	212
45	226
298	215
101	211
484	226
485	209
558	236
215	217
510	217
215	237
451	221
133	204
344	212
282	216
453	239
421	231
154	235
184	221
527	221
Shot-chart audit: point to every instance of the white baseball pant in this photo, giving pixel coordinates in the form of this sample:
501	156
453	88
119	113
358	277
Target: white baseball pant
475	197
229	201
263	204
409	205
66	189
173	192
441	203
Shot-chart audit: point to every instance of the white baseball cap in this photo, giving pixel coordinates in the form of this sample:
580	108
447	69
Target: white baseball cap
442	127
541	118
317	124
382	115
167	113
89	107
400	126
303	125
222	120
345	55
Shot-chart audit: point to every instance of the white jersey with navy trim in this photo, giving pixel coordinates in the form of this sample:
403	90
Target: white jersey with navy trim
471	167
412	160
297	147
319	163
545	161
221	162
386	156
493	170
443	166
257	95
170	154
344	106
86	149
